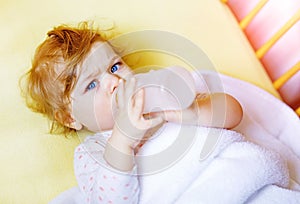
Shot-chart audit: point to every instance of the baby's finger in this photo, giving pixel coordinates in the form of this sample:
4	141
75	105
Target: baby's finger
120	95
154	114
130	88
172	115
138	104
153	122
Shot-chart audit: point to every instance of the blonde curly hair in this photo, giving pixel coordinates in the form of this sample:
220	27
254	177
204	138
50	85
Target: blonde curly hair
54	72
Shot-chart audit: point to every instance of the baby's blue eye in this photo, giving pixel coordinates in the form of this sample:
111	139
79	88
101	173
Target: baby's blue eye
115	67
92	85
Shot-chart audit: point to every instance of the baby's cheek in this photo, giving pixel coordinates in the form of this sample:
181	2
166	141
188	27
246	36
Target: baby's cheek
103	113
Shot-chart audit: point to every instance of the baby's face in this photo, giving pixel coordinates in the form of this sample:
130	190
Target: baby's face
92	97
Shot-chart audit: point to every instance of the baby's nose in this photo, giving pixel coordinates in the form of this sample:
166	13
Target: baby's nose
110	82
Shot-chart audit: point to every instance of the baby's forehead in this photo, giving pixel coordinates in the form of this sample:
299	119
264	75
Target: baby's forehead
101	49
98	59
100	54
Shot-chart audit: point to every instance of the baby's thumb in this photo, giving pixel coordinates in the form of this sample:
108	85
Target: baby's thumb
153	115
170	115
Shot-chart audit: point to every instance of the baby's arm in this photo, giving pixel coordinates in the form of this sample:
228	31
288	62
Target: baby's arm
212	110
215	110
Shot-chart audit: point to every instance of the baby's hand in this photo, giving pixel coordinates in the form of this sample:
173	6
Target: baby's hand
211	110
188	116
130	122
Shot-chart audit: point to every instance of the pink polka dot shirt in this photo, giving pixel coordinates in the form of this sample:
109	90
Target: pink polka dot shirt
97	180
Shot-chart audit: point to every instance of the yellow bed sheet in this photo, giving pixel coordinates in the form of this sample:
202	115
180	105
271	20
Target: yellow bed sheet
37	166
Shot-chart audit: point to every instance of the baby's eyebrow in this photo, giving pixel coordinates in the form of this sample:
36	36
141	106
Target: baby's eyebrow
112	60
99	71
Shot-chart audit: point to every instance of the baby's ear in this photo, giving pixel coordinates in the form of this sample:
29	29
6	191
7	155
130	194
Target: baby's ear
67	120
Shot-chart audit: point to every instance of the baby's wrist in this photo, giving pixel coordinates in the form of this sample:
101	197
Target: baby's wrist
122	140
119	154
130	136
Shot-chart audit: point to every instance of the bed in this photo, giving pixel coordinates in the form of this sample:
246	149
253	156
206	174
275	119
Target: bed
36	166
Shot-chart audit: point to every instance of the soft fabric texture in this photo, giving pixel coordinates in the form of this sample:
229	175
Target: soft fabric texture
234	170
97	180
267	121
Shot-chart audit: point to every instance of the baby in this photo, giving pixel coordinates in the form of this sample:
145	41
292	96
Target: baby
74	76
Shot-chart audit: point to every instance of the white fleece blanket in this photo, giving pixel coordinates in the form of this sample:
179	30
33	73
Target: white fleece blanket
267	121
174	170
180	165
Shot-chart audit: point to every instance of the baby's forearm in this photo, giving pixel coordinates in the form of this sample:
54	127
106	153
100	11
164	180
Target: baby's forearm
218	110
119	152
212	110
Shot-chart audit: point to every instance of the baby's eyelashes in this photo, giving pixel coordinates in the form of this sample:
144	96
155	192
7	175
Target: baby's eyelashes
115	67
92	85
